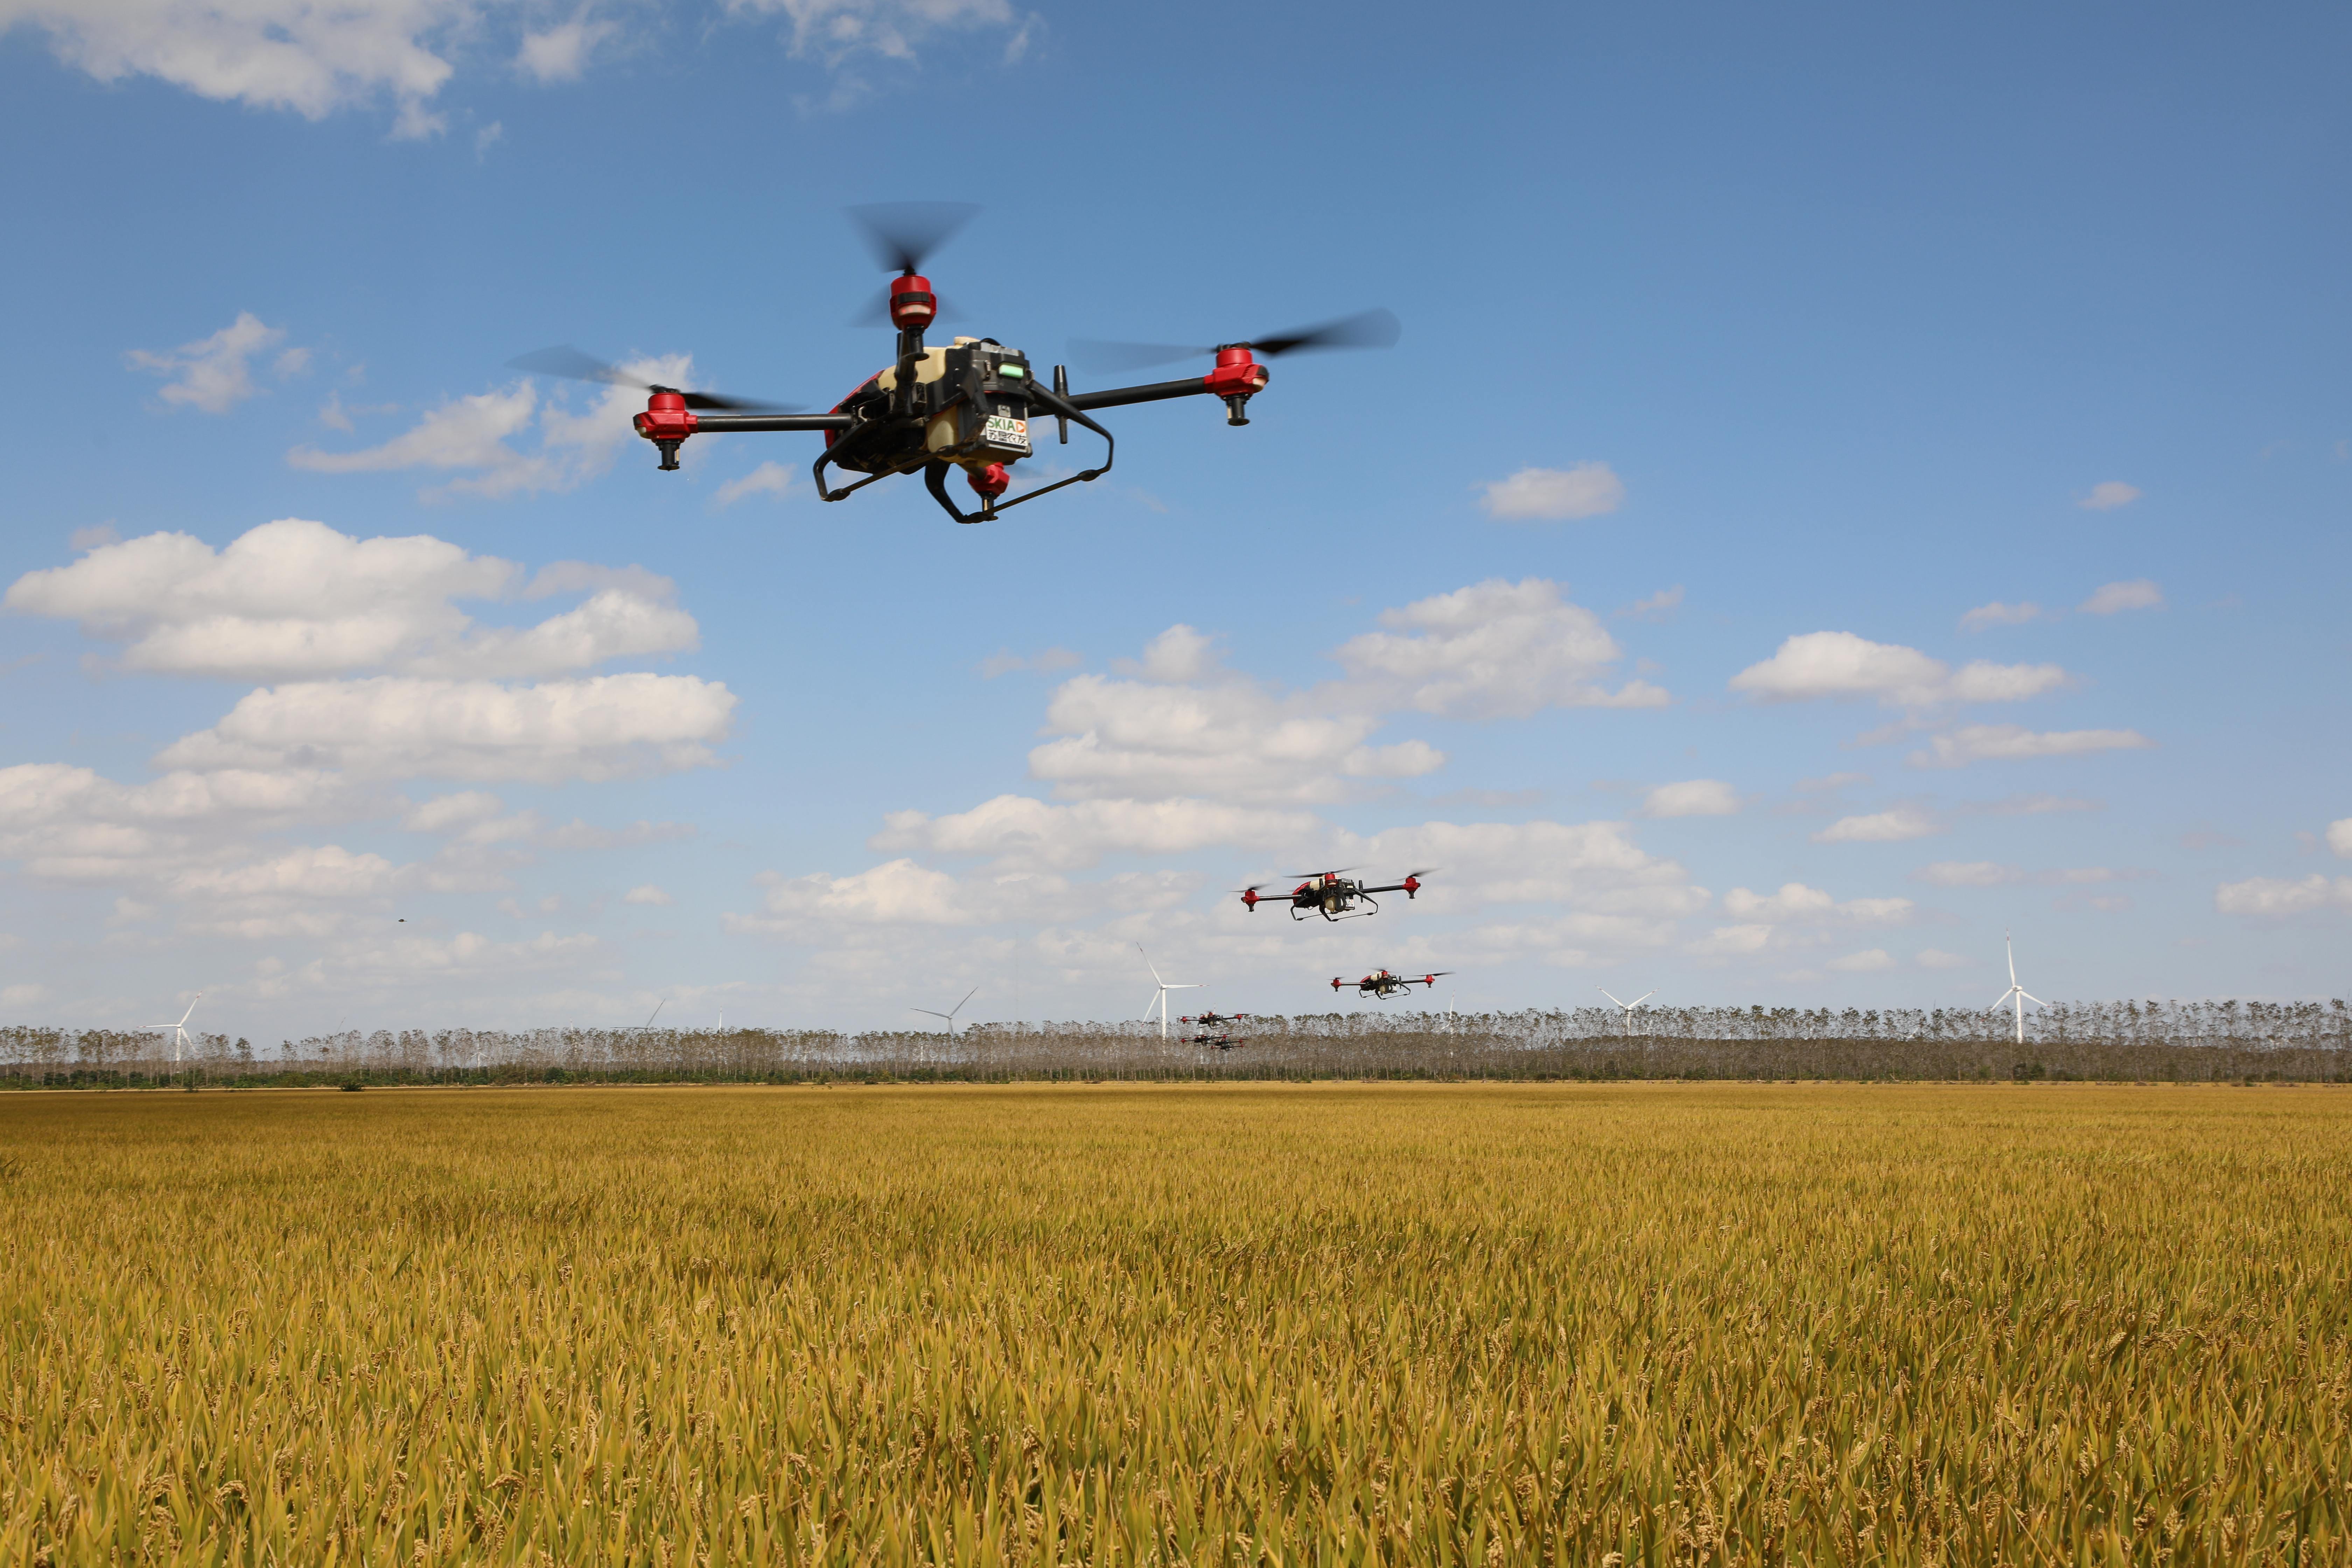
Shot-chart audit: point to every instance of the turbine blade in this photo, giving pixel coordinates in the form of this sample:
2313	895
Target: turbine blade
967	996
1147	961
2029	996
1606	992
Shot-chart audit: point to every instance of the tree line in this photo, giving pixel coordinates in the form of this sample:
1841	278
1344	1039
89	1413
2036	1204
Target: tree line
2192	1041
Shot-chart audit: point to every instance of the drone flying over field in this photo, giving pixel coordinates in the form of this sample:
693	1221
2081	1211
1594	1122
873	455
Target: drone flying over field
1380	985
967	407
1332	894
1207	1029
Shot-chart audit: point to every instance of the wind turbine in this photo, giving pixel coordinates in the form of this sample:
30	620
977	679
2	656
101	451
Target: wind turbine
1628	1006
180	1029
950	1014
1160	997
2017	995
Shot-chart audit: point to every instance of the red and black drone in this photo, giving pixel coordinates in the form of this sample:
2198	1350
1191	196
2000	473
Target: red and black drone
1332	894
1216	1039
966	406
1209	1030
1380	985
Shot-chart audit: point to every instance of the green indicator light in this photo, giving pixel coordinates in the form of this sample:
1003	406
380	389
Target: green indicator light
1012	372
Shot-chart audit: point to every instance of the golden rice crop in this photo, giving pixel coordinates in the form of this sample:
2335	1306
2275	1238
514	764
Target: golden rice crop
1334	1323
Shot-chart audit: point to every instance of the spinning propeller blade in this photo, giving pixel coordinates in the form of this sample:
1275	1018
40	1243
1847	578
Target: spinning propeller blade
568	362
901	234
1376	329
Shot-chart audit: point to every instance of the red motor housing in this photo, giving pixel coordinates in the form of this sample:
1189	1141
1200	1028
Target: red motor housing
912	303
1249	898
665	418
666	423
1237	374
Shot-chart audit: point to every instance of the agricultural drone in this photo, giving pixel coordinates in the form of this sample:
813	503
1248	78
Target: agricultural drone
1380	985
968	405
1209	1029
1332	894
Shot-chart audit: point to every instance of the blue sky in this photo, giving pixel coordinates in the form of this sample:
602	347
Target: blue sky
1850	481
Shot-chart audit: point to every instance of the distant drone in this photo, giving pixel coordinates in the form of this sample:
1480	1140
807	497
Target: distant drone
1332	894
967	407
1380	985
1209	1030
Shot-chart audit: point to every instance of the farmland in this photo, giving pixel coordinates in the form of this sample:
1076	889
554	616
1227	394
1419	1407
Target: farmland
1214	1323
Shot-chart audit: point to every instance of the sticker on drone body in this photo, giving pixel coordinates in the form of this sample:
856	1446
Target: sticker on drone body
1002	431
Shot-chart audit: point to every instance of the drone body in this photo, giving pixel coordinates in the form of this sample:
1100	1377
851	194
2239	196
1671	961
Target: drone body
1380	985
968	406
1332	894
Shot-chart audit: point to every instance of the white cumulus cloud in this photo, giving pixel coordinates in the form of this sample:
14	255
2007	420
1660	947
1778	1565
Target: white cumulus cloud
1230	739
1018	831
2109	494
472	437
2339	836
1004	661
1795	902
2000	614
2276	896
296	598
315	59
1555	495
1595	865
1692	797
401	727
647	894
1842	665
1869	961
1894	827
769	479
2140	594
561	53
1495	649
2014	743
214	374
1994	874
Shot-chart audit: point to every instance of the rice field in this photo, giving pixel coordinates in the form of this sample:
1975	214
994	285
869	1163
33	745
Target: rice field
1180	1325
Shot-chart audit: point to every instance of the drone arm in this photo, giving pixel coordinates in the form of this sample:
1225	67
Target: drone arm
1121	396
713	423
1237	378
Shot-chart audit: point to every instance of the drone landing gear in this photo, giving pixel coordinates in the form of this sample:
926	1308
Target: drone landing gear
1371	907
935	474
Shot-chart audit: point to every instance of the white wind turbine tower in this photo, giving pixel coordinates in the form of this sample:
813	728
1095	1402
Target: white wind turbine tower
179	1030
1160	997
2017	995
1628	1006
950	1015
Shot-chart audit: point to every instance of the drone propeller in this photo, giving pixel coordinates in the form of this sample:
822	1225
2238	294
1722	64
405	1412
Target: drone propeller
902	233
572	364
1304	876
1365	329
